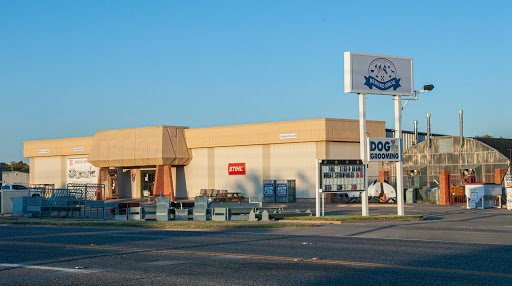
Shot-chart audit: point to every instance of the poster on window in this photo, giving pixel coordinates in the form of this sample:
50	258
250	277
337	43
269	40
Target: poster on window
80	171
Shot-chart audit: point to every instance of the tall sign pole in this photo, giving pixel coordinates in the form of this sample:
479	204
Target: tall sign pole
399	164
362	146
386	75
317	201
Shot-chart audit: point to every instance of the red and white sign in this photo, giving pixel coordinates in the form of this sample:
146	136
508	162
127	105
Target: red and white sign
236	168
508	181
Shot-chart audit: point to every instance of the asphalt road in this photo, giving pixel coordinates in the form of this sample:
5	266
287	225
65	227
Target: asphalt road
451	247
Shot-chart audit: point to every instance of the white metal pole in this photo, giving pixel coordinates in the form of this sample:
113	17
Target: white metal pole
362	146
317	204
323	204
399	166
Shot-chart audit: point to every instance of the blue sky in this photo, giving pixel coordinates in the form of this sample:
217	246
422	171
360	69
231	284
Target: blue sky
69	68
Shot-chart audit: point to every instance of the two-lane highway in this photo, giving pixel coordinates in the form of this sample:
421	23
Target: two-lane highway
38	255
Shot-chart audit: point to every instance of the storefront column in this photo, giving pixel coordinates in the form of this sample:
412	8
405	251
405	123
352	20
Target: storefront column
163	182
383	175
444	187
102	179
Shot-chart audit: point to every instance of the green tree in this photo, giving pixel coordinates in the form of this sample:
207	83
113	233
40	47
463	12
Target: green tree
19	166
488	136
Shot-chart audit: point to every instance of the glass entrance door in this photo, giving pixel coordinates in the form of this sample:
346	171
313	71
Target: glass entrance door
113	188
148	183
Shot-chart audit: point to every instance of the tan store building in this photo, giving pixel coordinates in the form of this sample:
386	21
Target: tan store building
179	162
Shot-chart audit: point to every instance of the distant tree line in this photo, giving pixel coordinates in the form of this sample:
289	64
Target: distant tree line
489	136
13	166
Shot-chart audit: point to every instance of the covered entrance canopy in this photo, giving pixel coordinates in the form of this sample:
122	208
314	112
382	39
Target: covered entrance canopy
145	146
159	146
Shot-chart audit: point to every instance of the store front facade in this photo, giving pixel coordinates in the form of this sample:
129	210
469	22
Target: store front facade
178	162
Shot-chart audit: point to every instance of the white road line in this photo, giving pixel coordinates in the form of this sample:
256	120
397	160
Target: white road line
374	237
139	235
49	268
167	262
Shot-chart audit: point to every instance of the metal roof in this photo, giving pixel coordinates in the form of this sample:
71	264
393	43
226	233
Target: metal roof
502	145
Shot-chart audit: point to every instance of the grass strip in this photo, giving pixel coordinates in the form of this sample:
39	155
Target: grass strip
152	224
349	218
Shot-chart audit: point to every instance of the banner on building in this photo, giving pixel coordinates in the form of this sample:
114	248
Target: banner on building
80	171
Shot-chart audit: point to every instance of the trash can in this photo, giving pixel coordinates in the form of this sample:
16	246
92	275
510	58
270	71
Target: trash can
285	191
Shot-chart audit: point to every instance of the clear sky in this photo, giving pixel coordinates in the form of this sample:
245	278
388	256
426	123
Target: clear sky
69	68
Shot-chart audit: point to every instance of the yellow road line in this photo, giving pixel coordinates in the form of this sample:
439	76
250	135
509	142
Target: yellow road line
279	258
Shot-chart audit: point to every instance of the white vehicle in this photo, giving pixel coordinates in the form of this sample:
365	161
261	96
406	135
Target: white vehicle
19	187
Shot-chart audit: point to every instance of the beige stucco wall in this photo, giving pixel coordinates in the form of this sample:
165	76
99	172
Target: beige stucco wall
292	161
295	162
48	170
57	147
249	184
197	172
51	170
311	130
144	146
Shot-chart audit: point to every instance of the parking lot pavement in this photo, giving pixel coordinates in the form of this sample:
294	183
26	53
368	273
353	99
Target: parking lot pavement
453	223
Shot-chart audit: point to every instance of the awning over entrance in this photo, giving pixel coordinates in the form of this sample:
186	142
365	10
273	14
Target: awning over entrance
146	146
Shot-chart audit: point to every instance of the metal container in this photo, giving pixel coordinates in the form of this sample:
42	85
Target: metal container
483	196
285	191
410	196
269	191
6	199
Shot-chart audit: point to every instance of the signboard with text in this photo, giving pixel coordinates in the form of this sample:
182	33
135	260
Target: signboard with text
236	168
508	181
384	149
378	74
341	176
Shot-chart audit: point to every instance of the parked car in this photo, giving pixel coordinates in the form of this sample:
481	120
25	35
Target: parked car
18	187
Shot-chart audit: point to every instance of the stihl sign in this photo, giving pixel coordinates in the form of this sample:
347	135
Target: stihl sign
236	168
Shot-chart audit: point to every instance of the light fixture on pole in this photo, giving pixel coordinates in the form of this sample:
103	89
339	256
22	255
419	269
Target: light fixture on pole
426	88
398	135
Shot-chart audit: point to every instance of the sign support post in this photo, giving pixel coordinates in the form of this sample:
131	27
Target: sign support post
317	203
323	204
399	164
362	146
379	74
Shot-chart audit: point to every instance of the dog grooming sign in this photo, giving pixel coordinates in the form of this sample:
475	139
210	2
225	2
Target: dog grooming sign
378	74
384	149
